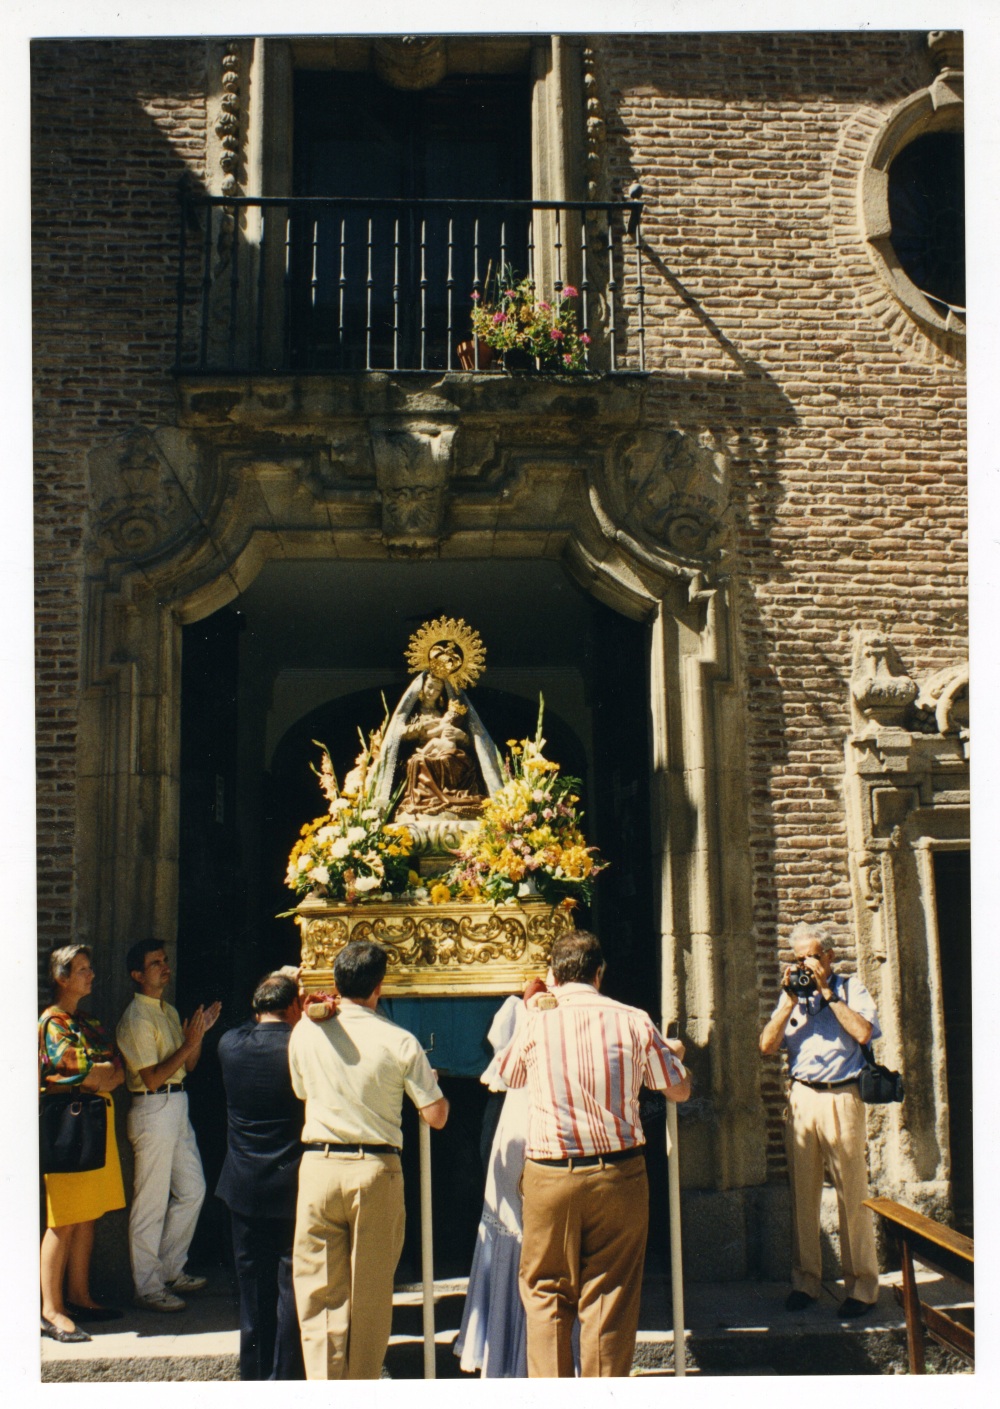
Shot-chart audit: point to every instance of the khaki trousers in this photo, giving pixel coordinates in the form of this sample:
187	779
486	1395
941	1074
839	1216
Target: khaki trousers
582	1253
349	1224
828	1128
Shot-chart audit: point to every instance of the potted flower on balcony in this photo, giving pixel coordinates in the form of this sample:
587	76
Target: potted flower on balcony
527	330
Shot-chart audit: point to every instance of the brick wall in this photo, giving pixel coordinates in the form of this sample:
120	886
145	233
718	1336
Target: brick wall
114	125
847	434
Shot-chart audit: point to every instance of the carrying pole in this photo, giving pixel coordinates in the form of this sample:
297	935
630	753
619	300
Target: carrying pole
427	1250
676	1268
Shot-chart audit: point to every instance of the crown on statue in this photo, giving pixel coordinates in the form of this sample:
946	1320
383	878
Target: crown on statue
449	650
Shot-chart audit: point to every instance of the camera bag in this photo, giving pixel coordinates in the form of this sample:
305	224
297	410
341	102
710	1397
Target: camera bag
878	1085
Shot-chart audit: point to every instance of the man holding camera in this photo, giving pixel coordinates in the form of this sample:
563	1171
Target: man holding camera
823	1020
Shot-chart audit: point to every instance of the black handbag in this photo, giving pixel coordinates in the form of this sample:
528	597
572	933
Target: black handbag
878	1085
72	1132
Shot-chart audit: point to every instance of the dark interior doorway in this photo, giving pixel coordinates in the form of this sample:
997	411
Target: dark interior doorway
239	818
952	885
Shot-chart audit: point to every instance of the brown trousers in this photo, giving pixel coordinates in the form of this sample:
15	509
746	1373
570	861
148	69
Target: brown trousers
349	1226
582	1253
828	1128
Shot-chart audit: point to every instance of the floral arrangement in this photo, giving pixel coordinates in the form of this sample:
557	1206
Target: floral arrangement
354	851
528	837
514	319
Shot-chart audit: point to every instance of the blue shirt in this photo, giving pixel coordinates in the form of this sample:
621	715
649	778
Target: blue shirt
818	1047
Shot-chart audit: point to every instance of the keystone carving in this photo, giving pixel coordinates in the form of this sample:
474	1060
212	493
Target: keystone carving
881	690
667	489
412	61
147	489
412	469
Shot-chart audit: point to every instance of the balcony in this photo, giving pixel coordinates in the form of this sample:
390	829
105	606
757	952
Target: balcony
278	285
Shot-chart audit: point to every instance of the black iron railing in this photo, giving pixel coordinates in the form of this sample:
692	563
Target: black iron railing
353	284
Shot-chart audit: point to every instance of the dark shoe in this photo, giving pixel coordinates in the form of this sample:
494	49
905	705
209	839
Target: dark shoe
798	1301
53	1332
93	1313
851	1308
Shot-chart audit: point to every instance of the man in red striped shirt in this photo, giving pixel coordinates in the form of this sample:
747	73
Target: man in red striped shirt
584	1058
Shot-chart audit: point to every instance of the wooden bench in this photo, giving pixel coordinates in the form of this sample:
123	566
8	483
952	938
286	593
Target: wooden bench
937	1246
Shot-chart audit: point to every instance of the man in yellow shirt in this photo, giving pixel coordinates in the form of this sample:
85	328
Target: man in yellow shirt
353	1071
169	1185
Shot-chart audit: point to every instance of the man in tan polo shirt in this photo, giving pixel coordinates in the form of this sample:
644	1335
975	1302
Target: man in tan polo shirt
353	1071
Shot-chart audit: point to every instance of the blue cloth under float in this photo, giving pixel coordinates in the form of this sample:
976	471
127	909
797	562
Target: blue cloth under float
458	1026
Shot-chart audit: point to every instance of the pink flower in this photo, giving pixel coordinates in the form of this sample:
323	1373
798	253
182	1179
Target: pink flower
585	339
474	295
568	359
499	317
556	334
546	306
569	291
510	293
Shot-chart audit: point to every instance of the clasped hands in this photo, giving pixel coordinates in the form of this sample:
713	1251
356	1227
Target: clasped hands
199	1022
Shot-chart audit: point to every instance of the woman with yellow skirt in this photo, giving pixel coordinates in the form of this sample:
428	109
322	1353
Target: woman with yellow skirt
74	1051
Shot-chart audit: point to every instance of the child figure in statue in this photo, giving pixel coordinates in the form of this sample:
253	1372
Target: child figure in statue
441	776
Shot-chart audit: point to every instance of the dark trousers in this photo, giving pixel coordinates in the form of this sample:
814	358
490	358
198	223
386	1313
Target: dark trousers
270	1348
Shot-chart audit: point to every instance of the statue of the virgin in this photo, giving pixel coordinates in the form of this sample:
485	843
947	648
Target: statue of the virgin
435	744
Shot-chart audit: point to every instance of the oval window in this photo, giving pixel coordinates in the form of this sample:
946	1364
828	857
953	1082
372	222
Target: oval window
927	216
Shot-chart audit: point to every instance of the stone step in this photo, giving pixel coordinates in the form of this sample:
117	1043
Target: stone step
732	1328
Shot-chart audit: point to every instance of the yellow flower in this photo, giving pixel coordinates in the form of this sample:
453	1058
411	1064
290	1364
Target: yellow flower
440	894
412	879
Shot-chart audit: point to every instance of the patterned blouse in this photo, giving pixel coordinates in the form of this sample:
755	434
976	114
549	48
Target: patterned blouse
69	1045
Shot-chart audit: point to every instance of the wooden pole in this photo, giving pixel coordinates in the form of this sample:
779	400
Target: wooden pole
676	1266
427	1251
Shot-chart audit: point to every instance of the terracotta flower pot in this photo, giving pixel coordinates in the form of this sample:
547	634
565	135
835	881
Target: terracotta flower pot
467	356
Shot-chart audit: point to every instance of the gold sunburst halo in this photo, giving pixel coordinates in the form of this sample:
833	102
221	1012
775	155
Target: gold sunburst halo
448	649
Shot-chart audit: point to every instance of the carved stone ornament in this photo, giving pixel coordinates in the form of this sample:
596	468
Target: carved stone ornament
146	489
947	50
411	61
668	490
945	695
412	469
439	949
881	690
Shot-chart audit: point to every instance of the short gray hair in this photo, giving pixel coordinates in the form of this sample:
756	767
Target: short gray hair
810	929
61	961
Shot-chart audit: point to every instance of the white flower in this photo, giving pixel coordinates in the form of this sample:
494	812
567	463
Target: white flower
325	833
537	795
320	874
370	813
305	862
356	834
339	848
338	804
364	883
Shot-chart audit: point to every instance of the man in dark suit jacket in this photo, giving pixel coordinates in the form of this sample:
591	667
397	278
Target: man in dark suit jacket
259	1180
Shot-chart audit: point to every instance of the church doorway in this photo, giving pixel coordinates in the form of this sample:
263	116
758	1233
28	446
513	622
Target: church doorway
306	654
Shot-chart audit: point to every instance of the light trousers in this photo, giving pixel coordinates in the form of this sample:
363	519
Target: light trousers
827	1129
349	1224
582	1254
168	1189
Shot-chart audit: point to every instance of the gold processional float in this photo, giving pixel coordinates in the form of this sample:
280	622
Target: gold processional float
464	864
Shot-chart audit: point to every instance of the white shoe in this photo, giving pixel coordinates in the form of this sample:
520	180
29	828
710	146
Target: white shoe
160	1301
186	1283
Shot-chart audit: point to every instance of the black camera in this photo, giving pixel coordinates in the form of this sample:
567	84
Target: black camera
800	982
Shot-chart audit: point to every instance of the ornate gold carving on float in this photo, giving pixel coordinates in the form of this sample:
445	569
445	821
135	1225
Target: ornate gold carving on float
451	948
